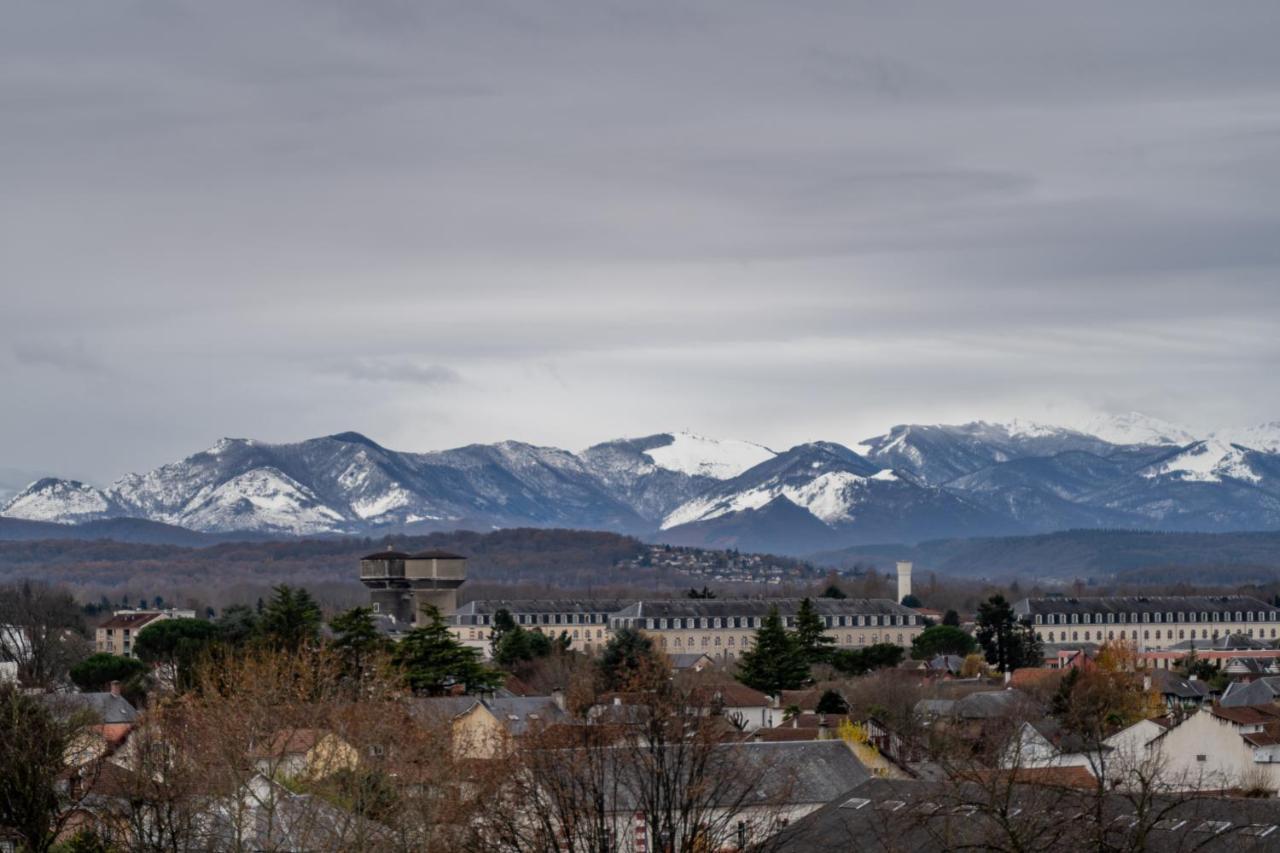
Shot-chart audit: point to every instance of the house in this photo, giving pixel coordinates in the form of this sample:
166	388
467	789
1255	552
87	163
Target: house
483	728
756	788
108	713
1263	691
947	665
690	661
1220	748
305	754
1177	692
1044	743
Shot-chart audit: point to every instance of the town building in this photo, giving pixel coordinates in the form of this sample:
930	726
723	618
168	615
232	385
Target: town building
585	621
405	586
116	636
1149	622
724	628
402	585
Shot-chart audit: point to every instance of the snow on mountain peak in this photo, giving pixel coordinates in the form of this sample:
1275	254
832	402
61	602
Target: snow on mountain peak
699	456
1264	437
63	501
1206	461
1137	428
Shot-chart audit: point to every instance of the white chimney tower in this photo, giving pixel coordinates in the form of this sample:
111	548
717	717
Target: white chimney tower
904	580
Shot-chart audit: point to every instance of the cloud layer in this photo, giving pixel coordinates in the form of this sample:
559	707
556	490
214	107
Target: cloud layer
449	222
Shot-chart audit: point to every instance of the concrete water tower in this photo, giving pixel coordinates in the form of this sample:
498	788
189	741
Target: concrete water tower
904	581
401	585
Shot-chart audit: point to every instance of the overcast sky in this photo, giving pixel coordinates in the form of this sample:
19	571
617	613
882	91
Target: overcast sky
444	223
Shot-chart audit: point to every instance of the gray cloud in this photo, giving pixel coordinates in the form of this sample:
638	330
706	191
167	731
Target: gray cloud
283	220
396	370
65	356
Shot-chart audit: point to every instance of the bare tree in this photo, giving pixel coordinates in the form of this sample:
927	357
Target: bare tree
41	628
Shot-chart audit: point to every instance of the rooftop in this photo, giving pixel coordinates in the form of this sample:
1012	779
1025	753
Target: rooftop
1143	604
687	607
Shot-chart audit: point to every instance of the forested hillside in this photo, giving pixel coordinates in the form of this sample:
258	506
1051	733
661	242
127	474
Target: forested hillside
1131	556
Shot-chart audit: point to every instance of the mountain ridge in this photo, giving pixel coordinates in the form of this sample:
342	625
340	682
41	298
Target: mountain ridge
914	482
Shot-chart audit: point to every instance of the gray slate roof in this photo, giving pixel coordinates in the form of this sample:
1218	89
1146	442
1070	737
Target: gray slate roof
1264	691
687	607
107	707
488	607
1143	604
883	815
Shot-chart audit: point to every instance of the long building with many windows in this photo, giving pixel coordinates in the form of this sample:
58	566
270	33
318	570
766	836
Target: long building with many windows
721	628
1150	622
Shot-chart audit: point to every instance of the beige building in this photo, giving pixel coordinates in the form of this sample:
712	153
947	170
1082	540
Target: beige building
584	620
724	628
116	635
1151	622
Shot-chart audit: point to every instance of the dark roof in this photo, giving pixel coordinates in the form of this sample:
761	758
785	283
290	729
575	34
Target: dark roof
1142	604
883	815
805	772
130	620
1248	715
387	555
436	555
522	713
1226	642
542	605
1261	692
685	607
1171	684
108	708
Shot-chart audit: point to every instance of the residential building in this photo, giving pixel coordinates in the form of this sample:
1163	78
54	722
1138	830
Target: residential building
116	636
1219	748
484	728
1149	622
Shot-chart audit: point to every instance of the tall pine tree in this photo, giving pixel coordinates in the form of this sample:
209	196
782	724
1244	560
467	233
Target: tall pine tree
811	634
433	662
775	661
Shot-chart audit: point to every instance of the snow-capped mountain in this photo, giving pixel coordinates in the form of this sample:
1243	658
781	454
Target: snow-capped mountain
916	481
937	454
857	500
1137	428
657	473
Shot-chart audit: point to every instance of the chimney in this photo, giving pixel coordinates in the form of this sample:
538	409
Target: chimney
904	580
557	696
115	688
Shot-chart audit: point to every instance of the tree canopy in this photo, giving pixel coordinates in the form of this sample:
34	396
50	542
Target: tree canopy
811	636
433	662
291	618
628	654
1007	642
97	671
775	661
941	640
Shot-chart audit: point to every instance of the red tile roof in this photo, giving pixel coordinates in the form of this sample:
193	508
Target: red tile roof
130	620
1248	715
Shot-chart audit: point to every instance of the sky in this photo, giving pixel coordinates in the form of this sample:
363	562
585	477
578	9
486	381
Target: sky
439	223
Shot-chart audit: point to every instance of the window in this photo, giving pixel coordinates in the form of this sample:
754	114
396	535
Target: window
1039	618
1202	757
1169	824
1258	830
855	803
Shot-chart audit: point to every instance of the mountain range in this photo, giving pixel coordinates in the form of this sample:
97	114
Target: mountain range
913	483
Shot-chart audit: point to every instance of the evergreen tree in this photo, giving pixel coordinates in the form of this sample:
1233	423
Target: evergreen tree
941	640
356	639
178	645
833	591
911	600
775	662
951	618
1007	642
291	618
433	661
519	645
811	636
628	654
503	624
96	672
237	625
